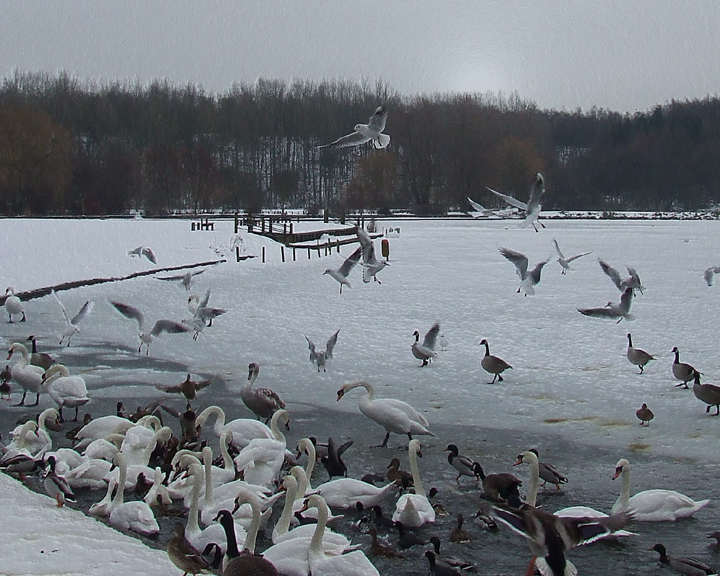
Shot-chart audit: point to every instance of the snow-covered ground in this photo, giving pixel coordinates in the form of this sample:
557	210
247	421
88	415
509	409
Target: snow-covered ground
570	377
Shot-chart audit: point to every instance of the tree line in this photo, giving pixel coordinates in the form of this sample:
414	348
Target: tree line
69	146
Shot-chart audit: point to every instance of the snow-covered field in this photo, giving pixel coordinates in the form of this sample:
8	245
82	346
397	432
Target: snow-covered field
570	377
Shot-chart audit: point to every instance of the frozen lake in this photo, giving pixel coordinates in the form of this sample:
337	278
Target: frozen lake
571	393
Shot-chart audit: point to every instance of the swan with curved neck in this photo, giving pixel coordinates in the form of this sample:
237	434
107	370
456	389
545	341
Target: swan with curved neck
354	563
138	454
244	430
393	415
136	516
414	510
262	459
25	374
67	391
37	440
263	402
13	305
653	505
306	445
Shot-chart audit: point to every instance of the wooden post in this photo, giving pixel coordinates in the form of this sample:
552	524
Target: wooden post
308	252
263	254
237	222
237	254
319	255
293	254
282	253
337	245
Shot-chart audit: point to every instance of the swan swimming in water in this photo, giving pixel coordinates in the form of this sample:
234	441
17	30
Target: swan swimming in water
414	510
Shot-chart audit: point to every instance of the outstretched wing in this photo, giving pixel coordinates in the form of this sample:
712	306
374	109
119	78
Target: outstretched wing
84	311
350	262
636	278
477	207
169	326
67	318
205	300
537	190
378	119
431	337
204	383
149	254
311	346
520	261
626	299
509	199
129	312
612	273
598	312
176	277
331	344
354	139
559	252
573	258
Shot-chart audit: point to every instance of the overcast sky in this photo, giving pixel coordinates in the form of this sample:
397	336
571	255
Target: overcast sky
562	54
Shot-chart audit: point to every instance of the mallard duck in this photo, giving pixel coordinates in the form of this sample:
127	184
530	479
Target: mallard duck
458	534
426	350
636	356
708	393
548	473
688	566
378	549
499	486
183	555
263	402
439	569
402	478
681	371
450	560
464	465
187	388
492	364
56	486
5	388
644	414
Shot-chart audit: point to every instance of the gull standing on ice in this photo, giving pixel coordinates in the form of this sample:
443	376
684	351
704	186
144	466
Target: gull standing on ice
371	265
533	206
73	323
632	281
186	278
341	274
365	132
320	358
565	262
613	310
143	251
169	326
527	279
426	350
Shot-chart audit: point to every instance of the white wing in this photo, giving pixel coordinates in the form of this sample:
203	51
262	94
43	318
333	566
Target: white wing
67	318
354	139
84	311
509	199
330	345
377	120
520	261
612	273
149	254
557	249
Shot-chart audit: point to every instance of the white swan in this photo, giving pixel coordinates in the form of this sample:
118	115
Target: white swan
25	374
353	564
414	510
65	390
101	428
104	448
140	442
262	459
93	474
17	458
347	492
303	483
393	415
136	516
158	493
38	439
244	430
13	305
102	509
653	505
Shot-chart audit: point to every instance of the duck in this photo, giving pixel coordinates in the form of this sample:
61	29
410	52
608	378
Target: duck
187	387
528	280
41	359
184	555
136	516
245	563
451	561
680	370
320	358
393	415
636	356
56	486
438	569
160	326
548	473
498	486
67	391
354	563
243	430
426	350
715	536
688	566
333	461
261	460
13	305
549	536
72	324
407	539
492	364
402	478
25	374
644	414
653	505
458	534
378	549
708	393
464	465
341	274
5	388
262	402
414	510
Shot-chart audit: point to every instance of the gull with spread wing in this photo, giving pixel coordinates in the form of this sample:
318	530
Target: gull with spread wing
371	265
426	350
632	281
143	251
533	206
320	358
186	278
169	326
73	323
201	311
613	310
527	279
365	133
341	274
565	262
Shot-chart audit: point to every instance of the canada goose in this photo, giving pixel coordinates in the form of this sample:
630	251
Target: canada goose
527	279
493	364
378	549
632	281
644	414
263	402
56	486
548	473
187	388
371	265
549	536
458	534
637	356
682	371
533	207
72	324
393	415
341	274
688	566
186	279
321	358
613	310
426	350
370	132
565	262
653	505
39	358
439	569
464	465
13	305
183	555
708	393
160	326
451	560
